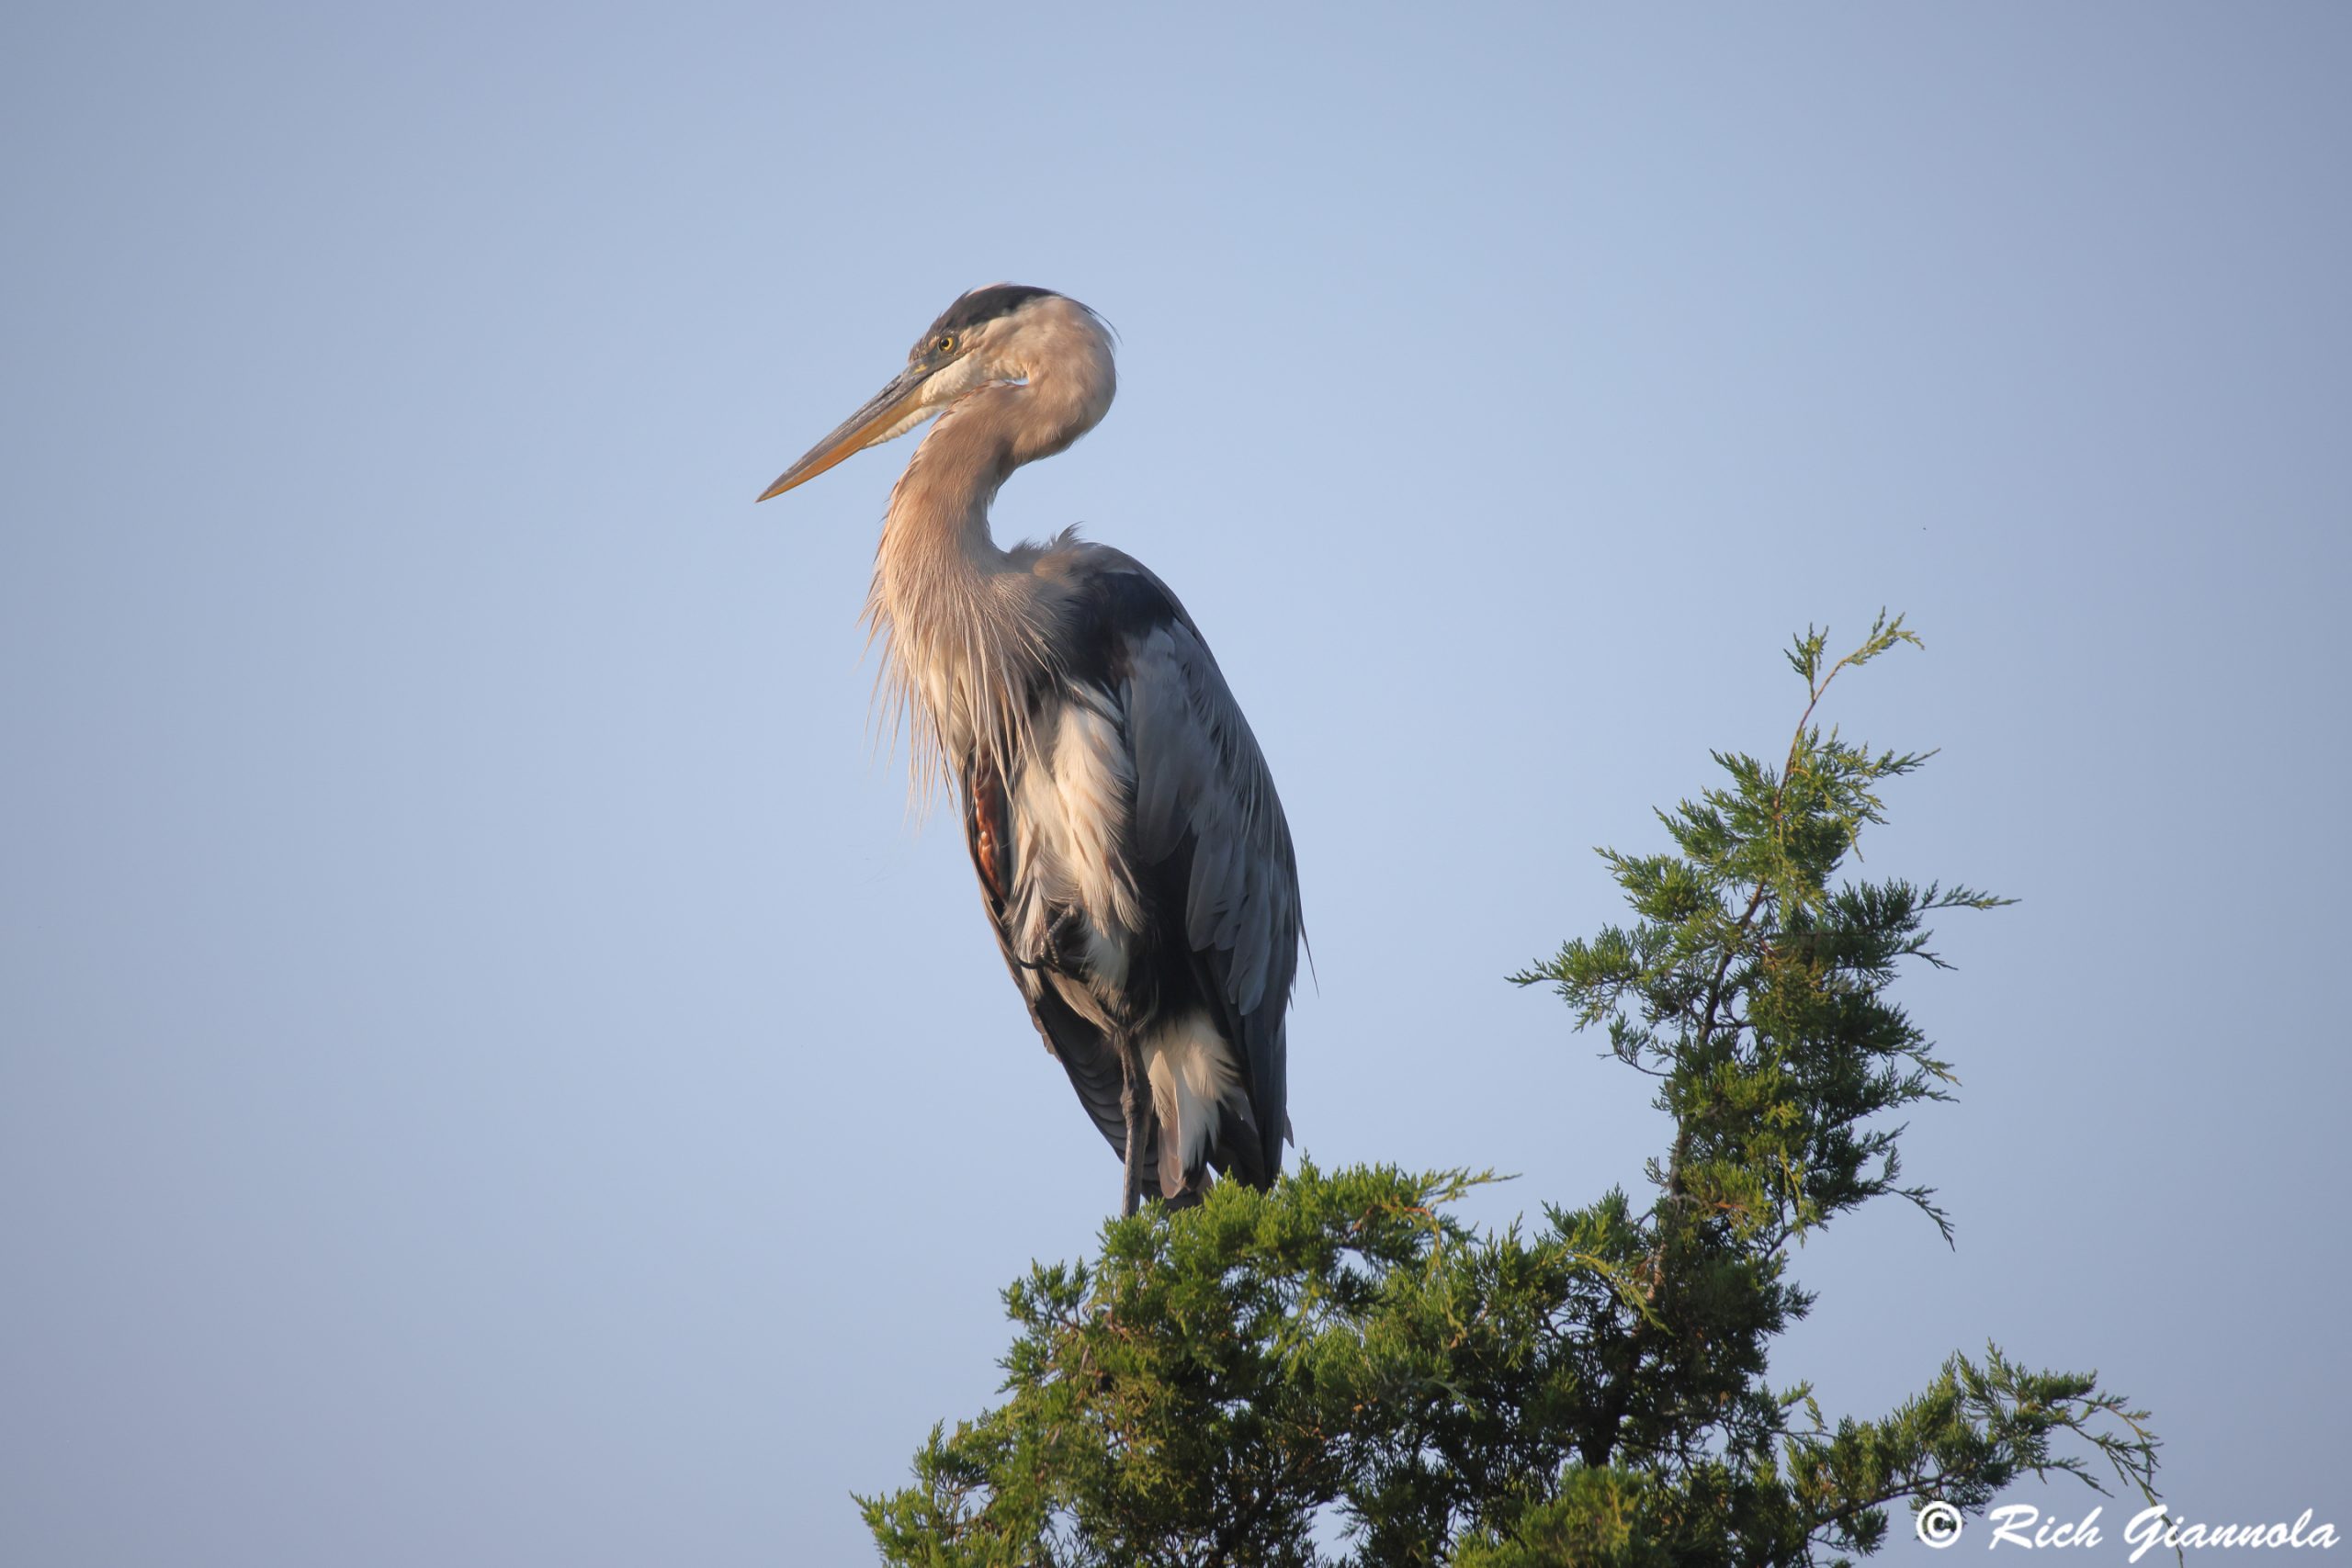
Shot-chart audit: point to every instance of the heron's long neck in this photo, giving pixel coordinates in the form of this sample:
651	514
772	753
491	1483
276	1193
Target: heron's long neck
966	627
936	541
949	606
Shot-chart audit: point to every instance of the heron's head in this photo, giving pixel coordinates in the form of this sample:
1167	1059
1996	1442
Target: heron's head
1006	333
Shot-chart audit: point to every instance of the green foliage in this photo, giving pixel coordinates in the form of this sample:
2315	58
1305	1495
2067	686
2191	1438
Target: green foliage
1222	1379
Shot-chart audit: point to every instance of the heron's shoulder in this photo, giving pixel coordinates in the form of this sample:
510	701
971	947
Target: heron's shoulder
1107	590
1109	605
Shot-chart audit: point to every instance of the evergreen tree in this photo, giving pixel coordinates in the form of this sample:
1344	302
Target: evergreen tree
1219	1381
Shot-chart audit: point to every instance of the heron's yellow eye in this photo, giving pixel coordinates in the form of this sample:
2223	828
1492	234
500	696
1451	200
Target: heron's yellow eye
945	345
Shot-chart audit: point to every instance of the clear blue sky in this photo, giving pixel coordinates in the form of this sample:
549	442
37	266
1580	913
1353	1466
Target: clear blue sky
489	1071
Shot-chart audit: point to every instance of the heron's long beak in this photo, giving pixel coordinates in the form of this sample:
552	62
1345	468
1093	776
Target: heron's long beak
885	415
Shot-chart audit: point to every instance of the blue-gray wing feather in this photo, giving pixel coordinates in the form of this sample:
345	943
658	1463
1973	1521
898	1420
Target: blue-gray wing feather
1204	794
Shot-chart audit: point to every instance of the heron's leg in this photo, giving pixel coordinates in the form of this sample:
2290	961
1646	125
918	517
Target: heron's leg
1133	1099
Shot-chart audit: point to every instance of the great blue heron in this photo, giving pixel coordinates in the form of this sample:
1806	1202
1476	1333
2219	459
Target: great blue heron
1131	850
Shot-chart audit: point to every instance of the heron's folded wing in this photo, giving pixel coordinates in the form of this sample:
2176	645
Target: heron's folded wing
1205	800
